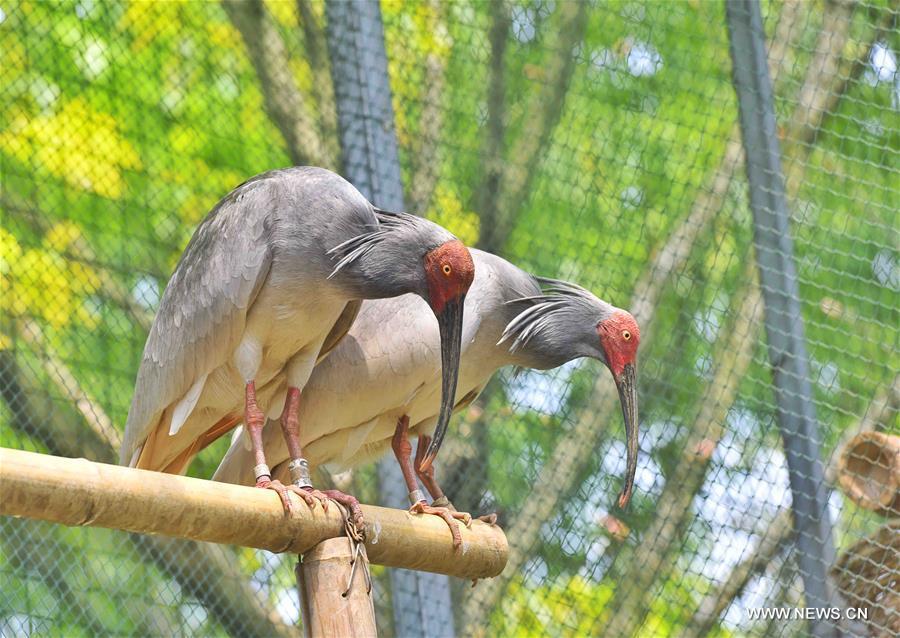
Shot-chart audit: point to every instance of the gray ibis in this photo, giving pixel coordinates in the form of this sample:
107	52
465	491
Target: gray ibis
381	381
269	283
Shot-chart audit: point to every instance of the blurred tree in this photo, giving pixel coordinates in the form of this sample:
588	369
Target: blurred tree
592	142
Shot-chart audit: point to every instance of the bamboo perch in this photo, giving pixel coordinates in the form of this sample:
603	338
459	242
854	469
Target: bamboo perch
80	492
336	599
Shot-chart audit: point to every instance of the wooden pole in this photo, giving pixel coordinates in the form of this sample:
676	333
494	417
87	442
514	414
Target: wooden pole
80	492
335	591
869	472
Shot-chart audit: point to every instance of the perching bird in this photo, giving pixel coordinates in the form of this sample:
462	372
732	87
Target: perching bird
270	282
381	381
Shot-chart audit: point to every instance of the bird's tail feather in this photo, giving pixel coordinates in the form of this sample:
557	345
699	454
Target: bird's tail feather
182	461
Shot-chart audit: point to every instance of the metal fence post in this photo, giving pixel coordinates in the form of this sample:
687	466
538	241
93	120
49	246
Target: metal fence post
784	324
355	34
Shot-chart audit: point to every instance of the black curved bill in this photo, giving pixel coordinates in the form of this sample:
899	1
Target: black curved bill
450	321
628	397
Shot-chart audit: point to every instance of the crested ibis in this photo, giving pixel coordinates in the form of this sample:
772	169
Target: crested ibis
270	282
380	382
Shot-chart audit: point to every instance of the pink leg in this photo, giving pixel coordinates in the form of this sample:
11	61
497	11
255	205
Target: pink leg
427	476
254	420
431	484
403	452
290	427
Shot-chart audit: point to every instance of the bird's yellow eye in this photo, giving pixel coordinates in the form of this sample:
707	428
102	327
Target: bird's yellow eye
626	335
447	269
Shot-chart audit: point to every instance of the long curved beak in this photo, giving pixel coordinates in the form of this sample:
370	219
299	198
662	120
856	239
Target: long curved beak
450	321
628	397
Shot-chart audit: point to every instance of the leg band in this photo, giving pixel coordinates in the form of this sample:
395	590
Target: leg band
299	469
415	496
441	502
261	470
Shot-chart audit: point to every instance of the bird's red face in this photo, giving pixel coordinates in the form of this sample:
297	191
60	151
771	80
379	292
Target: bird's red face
449	271
619	338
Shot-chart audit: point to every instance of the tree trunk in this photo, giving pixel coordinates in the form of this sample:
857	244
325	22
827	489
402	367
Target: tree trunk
485	197
506	184
284	102
316	50
577	447
545	108
808	119
426	159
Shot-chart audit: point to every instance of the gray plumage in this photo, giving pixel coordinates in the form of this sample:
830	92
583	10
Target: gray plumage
557	325
388	364
352	250
256	292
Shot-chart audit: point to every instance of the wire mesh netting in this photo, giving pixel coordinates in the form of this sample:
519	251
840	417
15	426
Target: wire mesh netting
593	142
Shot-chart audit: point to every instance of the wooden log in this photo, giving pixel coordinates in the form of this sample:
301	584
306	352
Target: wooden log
869	472
868	574
80	492
330	607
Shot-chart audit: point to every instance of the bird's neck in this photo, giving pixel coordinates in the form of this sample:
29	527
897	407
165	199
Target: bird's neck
556	342
539	354
374	278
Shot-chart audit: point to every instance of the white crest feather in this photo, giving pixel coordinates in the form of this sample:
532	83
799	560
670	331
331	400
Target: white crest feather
557	297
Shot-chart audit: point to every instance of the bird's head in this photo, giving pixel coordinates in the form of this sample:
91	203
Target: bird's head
566	322
619	337
409	254
449	272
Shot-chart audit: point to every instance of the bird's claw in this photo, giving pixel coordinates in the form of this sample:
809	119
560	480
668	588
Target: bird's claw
490	519
443	501
280	488
352	504
450	516
311	496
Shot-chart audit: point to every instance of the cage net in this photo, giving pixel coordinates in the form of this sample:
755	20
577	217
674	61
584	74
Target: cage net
595	142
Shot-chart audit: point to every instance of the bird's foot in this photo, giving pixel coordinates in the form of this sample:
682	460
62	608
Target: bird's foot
312	495
490	519
266	483
443	501
450	516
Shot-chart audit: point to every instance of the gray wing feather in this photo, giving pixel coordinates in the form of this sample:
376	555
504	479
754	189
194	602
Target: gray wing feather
203	311
372	370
